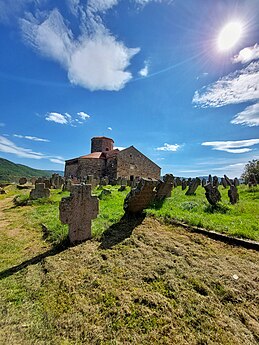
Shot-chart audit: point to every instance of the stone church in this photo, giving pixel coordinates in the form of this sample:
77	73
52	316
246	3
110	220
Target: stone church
104	160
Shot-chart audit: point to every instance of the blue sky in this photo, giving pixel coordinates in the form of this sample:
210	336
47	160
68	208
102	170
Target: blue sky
147	73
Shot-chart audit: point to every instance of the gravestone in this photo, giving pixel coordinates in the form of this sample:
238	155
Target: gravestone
122	188
193	186
178	181
104	181
236	182
140	197
184	184
203	182
233	194
123	181
209	179
67	185
22	180
56	181
47	183
224	182
39	180
33	180
39	191
164	188
215	181
228	181
212	194
77	211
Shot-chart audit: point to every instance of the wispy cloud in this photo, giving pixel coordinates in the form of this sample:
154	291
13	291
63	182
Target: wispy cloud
101	5
83	115
63	119
203	75
119	148
96	61
247	54
7	146
144	71
110	129
240	86
169	147
238	146
2	124
248	117
30	138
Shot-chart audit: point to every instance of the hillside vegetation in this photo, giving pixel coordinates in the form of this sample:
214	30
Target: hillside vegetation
138	281
11	172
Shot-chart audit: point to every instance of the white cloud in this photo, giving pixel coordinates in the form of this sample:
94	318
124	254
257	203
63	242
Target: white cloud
58	118
238	146
96	61
57	161
240	86
248	117
169	147
101	5
144	71
30	138
83	115
120	148
8	146
247	54
2	124
203	75
110	129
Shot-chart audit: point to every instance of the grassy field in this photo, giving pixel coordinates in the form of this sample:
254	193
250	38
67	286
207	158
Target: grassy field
137	282
240	220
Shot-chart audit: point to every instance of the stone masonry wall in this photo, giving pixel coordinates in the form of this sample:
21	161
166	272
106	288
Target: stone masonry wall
101	144
91	166
71	168
111	168
131	162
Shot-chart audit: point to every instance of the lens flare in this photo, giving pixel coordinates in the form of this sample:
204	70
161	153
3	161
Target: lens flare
229	35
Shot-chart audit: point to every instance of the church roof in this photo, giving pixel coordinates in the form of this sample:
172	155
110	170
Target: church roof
94	155
103	138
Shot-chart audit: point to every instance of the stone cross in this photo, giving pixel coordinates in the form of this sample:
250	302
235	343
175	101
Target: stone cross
39	191
77	211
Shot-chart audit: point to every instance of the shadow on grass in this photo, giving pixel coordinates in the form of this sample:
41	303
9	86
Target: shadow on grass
53	251
120	231
219	208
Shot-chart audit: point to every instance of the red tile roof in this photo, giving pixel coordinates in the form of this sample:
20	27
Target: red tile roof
94	155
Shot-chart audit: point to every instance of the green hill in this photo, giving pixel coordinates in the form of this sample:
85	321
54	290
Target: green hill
11	172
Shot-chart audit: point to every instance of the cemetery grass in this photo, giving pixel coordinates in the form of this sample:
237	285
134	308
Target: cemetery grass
159	284
239	220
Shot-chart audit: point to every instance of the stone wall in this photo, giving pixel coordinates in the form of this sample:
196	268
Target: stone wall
71	168
101	144
111	168
131	162
91	166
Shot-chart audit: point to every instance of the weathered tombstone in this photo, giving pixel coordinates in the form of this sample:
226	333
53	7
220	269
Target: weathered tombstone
39	180
215	181
47	183
184	184
233	194
33	180
224	182
228	181
178	181
209	179
203	182
22	180
39	191
56	181
123	181
119	181
212	194
164	188
236	182
193	186
104	181
77	211
67	185
140	197
189	181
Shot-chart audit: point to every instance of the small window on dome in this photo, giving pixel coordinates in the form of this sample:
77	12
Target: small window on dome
107	149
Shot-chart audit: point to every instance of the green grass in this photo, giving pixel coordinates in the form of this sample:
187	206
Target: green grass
240	220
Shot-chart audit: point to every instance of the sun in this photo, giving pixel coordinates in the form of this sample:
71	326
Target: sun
230	35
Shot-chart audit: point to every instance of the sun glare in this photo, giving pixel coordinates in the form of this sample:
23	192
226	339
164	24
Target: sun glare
229	35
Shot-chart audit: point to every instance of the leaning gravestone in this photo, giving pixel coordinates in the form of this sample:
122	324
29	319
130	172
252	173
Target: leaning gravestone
233	194
203	182
56	181
33	180
184	184
209	179
77	211
212	194
140	197
47	183
67	185
236	182
164	188
215	181
22	180
228	181
252	181
39	191
224	182
193	186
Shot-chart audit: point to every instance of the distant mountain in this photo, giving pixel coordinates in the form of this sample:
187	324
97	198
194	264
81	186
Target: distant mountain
11	172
